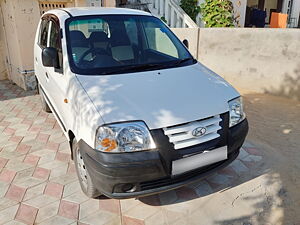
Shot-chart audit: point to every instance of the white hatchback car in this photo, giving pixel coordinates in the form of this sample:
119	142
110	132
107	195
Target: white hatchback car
141	114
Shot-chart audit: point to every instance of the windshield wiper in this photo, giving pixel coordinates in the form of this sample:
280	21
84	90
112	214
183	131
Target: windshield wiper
178	62
136	68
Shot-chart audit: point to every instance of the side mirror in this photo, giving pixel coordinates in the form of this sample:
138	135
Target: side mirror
186	43
50	57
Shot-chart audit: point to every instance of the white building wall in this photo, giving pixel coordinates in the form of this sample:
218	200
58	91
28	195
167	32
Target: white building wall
240	11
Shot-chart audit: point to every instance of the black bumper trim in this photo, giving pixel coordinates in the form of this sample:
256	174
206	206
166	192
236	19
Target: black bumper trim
192	177
146	170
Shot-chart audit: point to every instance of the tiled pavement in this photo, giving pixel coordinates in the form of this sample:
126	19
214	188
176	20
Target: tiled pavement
38	184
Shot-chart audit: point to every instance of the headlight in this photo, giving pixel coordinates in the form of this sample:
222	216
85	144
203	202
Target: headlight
236	111
124	137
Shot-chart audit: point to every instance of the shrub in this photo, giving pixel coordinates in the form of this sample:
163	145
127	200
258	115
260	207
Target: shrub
164	19
190	7
217	13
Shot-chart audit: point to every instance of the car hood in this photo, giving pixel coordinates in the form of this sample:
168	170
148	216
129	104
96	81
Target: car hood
160	98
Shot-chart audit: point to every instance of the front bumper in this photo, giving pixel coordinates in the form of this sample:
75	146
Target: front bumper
136	174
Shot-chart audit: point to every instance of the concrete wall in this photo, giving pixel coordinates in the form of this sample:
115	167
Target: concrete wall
109	3
252	60
20	22
192	35
3	73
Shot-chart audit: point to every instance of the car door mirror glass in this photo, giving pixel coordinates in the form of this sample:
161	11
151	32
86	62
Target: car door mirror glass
50	57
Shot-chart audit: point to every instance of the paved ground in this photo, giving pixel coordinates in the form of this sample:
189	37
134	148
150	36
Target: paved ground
38	184
275	128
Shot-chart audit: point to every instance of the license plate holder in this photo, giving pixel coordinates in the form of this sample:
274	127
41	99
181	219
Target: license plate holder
200	160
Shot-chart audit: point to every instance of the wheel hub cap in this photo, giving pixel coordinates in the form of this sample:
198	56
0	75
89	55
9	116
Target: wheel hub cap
81	169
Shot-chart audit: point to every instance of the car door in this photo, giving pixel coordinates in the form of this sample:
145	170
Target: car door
41	43
57	81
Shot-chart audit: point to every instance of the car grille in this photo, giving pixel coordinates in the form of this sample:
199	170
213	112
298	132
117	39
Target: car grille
182	135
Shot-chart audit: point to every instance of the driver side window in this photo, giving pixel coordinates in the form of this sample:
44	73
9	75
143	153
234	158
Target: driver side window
55	42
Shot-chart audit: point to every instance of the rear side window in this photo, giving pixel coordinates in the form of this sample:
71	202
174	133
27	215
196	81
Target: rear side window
87	27
44	33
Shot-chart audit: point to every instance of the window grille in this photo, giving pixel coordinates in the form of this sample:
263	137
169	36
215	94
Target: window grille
46	6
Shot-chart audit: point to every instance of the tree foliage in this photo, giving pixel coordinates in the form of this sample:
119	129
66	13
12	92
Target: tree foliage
217	13
190	7
164	19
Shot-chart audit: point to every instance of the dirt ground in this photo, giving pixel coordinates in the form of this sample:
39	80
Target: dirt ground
275	128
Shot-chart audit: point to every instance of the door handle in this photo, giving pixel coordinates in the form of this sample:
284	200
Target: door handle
47	75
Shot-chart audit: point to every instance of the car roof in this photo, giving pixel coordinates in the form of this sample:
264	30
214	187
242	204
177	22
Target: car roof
85	11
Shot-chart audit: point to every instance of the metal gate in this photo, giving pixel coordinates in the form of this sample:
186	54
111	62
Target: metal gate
46	6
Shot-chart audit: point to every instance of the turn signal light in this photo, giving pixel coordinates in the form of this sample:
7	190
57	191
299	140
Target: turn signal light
108	144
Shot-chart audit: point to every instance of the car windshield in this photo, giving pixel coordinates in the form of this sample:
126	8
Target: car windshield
113	44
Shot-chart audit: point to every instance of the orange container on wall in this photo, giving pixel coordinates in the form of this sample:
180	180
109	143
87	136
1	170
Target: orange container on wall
278	20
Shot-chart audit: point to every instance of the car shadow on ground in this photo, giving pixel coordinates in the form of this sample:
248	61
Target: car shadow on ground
253	194
247	166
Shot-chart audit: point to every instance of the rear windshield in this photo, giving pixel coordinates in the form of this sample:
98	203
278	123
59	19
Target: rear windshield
112	44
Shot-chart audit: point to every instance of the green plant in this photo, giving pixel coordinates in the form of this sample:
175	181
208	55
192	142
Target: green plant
217	13
164	19
190	7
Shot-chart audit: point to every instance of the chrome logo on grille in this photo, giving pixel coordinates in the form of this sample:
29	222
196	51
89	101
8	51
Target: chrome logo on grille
199	131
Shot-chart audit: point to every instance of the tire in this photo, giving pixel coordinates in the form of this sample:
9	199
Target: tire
84	177
45	105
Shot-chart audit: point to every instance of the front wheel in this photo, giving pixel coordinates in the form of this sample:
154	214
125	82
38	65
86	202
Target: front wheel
84	178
